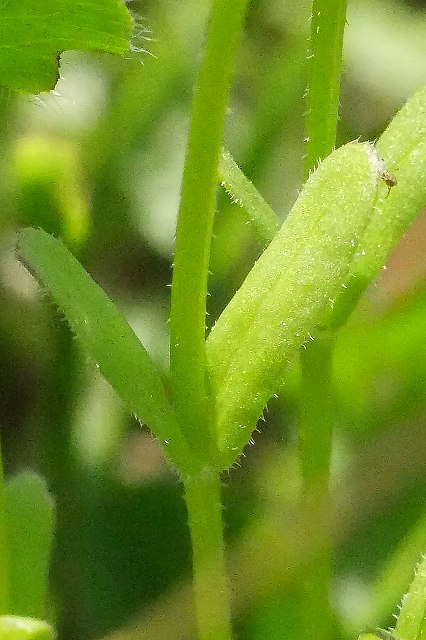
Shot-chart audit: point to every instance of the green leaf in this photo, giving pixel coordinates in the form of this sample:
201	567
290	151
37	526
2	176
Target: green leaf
284	296
243	192
403	147
105	336
30	521
411	624
33	34
15	628
51	193
397	571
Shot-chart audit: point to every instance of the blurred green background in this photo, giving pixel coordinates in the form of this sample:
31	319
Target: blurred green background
99	162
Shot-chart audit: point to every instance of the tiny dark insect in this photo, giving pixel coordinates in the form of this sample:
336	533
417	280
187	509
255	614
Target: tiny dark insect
389	180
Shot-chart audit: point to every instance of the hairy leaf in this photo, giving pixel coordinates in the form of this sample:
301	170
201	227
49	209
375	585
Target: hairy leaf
403	147
283	298
105	336
33	34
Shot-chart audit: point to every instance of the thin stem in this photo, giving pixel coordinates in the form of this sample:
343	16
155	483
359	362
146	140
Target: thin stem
315	434
195	221
4	550
411	623
212	598
316	409
324	68
5	97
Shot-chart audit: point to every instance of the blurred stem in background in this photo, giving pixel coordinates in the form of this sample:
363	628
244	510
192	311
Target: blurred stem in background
316	415
4	553
65	482
315	437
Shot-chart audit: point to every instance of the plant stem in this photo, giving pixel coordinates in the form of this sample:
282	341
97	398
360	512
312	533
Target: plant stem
195	221
411	623
4	550
324	68
188	312
315	434
211	589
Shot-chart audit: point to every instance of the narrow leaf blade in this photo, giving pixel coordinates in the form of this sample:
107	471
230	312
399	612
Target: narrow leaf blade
105	336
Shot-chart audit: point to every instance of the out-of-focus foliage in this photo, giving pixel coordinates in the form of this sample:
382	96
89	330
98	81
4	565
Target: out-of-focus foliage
17	628
30	520
99	162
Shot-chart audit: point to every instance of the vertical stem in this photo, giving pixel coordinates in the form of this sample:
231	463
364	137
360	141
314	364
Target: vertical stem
188	312
315	434
324	68
5	99
56	455
4	550
212	598
195	221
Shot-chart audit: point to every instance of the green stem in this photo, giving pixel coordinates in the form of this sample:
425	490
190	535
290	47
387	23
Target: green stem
315	434
411	623
195	221
316	410
4	550
212	598
324	68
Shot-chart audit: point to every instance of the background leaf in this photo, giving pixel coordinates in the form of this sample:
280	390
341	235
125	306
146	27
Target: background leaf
14	628
33	34
30	516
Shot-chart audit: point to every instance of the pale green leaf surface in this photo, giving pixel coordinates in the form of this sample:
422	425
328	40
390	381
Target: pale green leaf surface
16	628
32	34
284	296
30	522
105	336
403	147
411	624
405	131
